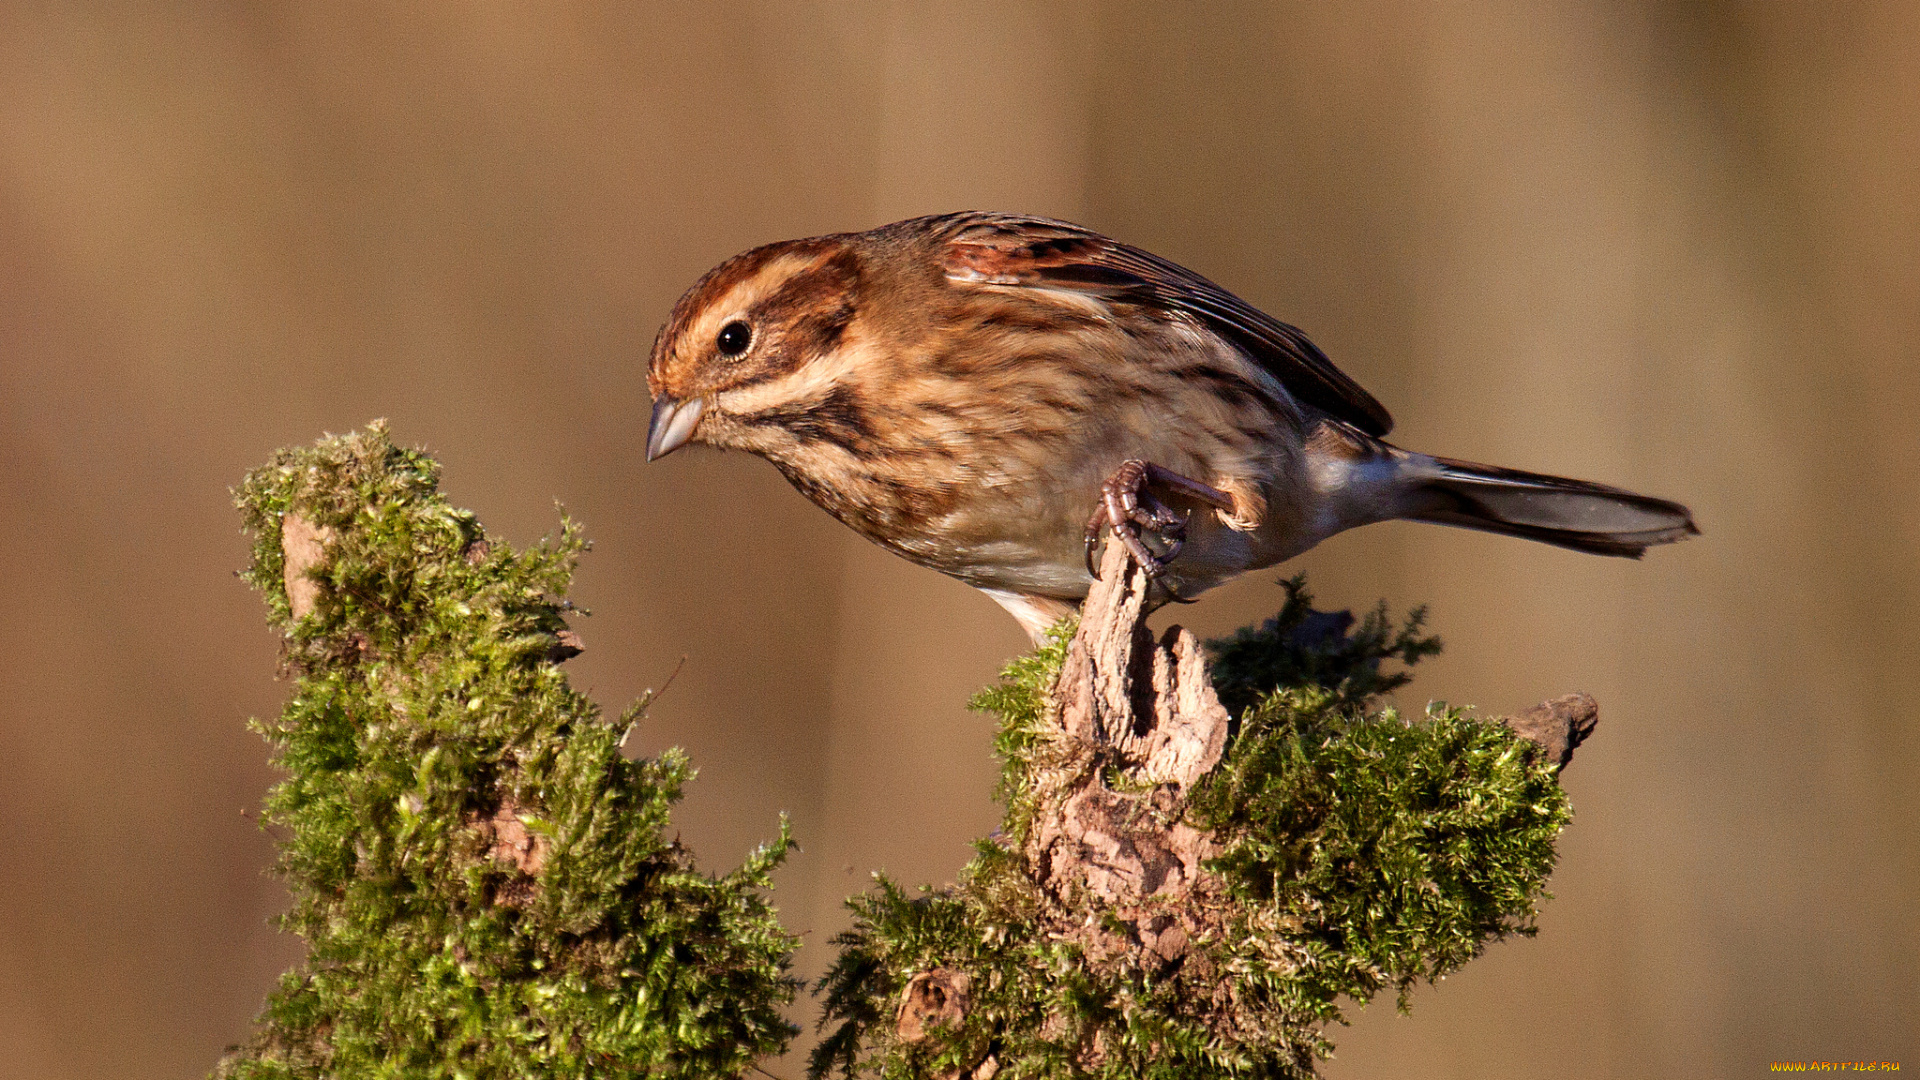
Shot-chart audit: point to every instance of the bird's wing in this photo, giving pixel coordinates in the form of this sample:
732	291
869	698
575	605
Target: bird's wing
1007	250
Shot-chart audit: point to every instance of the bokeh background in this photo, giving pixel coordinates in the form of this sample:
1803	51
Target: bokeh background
1673	246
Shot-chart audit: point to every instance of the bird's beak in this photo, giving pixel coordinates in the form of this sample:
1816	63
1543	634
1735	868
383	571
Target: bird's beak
673	424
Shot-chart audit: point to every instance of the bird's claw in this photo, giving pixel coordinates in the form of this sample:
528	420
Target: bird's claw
1127	507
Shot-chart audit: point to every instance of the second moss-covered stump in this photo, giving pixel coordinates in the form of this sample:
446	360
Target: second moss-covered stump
1181	890
487	888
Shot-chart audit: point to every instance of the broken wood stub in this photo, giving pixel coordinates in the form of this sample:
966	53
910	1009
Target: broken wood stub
303	545
936	998
1557	726
512	844
1137	724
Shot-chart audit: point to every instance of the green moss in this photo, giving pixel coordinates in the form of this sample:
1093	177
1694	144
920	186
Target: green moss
1357	852
1301	647
1393	850
486	886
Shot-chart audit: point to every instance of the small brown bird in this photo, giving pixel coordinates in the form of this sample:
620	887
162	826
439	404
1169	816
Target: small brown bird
964	389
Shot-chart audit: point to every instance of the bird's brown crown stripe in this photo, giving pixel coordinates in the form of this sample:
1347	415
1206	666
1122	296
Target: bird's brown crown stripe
805	317
837	267
716	283
811	288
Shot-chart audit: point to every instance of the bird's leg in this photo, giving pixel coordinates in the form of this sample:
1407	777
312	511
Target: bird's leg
1127	506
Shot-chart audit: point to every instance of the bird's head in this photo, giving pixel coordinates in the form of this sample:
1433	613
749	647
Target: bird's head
745	346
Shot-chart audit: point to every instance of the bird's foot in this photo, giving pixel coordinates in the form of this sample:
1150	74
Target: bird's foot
1127	506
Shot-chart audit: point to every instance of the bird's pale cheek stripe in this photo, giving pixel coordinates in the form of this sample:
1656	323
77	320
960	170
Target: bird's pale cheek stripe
811	382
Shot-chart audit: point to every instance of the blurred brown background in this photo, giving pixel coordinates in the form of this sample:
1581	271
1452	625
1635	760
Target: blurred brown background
1670	246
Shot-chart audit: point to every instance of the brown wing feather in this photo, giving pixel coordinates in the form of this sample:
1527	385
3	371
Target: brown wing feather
1008	250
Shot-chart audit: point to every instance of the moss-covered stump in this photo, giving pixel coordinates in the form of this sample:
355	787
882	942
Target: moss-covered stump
485	884
1181	889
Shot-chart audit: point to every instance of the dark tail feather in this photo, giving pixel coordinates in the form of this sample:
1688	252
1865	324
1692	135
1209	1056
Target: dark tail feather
1551	509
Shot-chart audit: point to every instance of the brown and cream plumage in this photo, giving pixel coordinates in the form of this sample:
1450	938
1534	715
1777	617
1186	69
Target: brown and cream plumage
965	389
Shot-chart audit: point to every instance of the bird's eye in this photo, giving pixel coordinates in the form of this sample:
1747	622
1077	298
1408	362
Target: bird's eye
734	338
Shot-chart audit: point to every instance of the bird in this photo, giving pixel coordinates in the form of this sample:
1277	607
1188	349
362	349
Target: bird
988	394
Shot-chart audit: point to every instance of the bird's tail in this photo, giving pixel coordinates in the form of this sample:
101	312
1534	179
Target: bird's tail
1551	509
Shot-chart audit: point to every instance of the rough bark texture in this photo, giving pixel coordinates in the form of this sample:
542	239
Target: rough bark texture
304	545
932	998
1558	726
1141	720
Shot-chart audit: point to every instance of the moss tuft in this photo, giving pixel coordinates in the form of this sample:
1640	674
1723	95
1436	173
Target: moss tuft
1301	647
486	886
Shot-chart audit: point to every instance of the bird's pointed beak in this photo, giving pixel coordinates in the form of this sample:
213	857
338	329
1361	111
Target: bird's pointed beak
673	424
